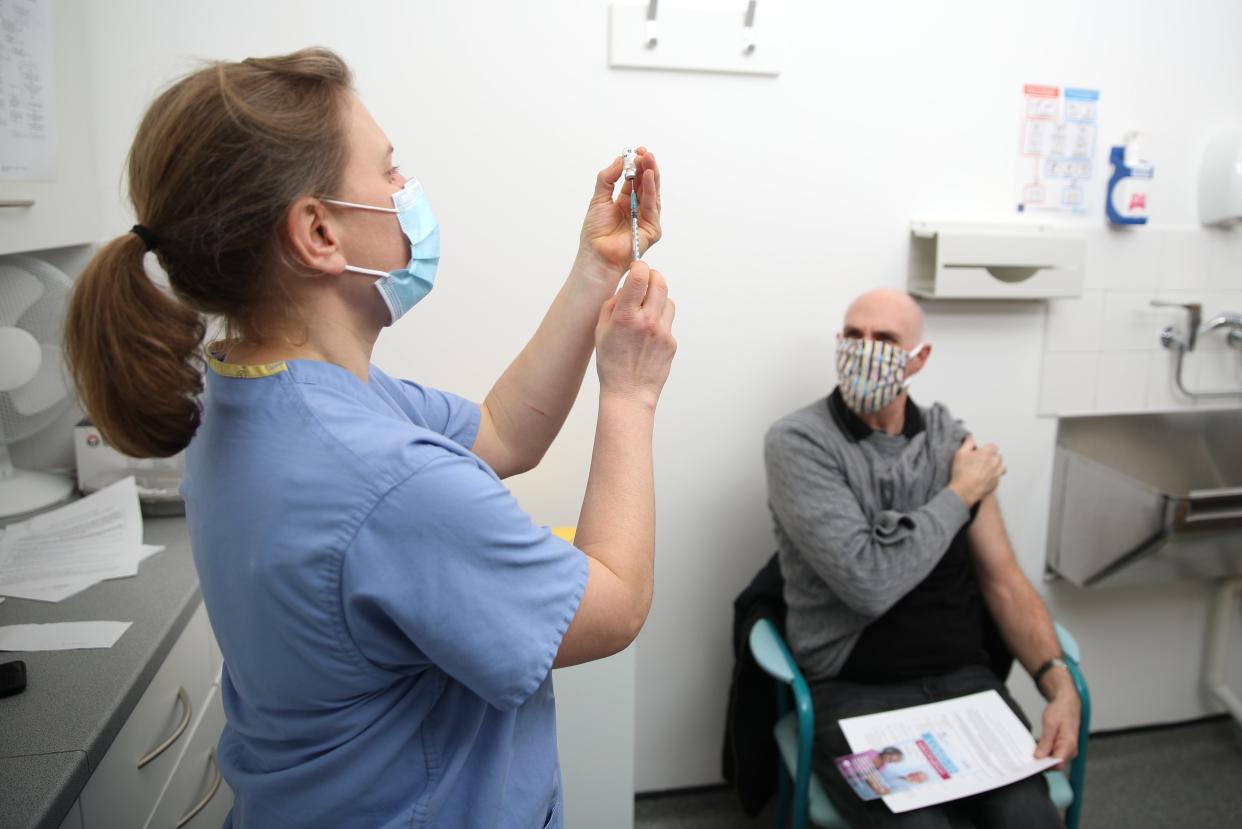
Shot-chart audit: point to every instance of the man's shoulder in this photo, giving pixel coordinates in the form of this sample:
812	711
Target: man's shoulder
941	425
812	419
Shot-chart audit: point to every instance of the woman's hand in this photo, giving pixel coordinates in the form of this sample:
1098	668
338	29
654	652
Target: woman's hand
634	343
606	239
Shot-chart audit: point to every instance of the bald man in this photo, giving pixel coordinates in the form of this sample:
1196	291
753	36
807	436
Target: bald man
897	564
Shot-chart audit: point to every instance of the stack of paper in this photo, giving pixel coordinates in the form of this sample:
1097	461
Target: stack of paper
59	553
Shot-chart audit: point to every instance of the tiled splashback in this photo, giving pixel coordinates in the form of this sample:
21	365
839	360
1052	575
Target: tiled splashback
1102	351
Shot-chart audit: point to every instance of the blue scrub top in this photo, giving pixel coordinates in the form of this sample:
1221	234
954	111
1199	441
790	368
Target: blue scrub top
387	612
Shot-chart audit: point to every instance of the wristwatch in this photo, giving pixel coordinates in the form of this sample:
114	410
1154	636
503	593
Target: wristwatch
1054	662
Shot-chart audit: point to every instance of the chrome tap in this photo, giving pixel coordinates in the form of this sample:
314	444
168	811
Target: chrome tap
1229	320
1168	337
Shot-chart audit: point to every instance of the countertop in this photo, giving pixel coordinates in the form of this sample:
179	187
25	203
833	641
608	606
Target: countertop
54	734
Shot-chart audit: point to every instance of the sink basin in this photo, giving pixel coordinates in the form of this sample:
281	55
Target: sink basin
1150	498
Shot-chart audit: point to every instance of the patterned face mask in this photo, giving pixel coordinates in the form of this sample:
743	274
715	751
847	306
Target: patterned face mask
871	374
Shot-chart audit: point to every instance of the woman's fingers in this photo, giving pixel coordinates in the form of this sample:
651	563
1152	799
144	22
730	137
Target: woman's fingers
657	294
630	297
647	161
607	180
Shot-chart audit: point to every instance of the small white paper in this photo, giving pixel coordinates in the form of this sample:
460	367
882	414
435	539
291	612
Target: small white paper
148	550
61	636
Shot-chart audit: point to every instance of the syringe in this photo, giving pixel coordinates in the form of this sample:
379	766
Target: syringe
629	163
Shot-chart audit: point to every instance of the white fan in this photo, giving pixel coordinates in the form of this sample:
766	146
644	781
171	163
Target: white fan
33	392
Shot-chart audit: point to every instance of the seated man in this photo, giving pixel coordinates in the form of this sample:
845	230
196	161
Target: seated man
894	553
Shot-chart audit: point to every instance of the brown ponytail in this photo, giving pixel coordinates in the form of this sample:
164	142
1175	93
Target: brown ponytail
218	159
134	354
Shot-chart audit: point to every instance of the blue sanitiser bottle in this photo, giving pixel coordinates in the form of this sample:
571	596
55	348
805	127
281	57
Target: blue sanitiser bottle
1130	185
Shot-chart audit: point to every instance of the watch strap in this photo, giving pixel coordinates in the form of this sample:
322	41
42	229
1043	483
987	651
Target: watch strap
1054	662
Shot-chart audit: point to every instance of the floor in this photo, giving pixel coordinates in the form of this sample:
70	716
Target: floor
1186	775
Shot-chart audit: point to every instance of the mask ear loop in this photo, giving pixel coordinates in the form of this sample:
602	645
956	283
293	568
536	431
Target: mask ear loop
912	355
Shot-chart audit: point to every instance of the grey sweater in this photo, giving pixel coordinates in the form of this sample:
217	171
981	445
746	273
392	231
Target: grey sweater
860	520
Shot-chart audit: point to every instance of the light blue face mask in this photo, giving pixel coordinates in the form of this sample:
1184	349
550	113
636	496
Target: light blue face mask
402	289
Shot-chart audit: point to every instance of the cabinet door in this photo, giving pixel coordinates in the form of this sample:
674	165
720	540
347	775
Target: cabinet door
120	793
73	820
65	211
196	795
595	737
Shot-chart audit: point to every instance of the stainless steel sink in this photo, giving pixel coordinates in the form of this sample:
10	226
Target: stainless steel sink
1142	499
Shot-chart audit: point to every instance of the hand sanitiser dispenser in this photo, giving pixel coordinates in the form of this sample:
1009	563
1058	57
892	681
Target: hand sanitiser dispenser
1220	180
1130	185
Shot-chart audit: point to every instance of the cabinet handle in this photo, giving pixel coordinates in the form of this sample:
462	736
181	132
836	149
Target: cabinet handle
202	804
184	699
16	202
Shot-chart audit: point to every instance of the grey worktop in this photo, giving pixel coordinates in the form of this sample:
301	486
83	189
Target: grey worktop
53	734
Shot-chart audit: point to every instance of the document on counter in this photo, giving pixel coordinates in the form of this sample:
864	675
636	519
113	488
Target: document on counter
928	754
61	636
62	552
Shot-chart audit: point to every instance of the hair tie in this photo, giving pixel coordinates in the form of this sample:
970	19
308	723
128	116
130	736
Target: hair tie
145	234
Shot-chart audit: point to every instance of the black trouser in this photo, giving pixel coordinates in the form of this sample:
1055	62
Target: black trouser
1021	805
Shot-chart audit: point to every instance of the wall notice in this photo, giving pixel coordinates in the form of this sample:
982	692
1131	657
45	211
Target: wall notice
27	102
1057	147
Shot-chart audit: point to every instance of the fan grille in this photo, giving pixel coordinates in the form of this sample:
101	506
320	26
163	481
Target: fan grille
45	321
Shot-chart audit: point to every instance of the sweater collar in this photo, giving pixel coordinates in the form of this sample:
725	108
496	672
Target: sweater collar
854	427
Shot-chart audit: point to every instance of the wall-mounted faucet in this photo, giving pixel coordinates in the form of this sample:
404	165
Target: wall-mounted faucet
1168	337
1230	320
1173	341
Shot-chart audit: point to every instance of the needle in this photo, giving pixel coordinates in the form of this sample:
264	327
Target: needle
634	220
629	161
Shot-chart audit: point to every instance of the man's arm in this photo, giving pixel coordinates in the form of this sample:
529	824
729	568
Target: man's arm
869	564
1026	627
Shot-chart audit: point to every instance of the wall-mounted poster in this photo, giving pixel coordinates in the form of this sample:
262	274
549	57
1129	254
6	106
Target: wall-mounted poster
1057	147
27	100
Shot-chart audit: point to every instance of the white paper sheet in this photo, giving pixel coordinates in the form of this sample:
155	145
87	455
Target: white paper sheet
62	552
61	636
952	749
27	99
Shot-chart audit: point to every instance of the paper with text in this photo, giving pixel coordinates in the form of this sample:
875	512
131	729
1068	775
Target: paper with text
64	551
928	754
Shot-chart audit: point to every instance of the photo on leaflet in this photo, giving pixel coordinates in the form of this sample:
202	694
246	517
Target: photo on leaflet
897	768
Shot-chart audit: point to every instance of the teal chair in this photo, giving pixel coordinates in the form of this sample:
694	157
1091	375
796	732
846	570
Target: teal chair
795	732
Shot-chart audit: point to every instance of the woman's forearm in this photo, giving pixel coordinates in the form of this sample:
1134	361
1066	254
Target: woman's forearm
528	404
617	524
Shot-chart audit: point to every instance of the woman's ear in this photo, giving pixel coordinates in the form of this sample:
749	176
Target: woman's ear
312	238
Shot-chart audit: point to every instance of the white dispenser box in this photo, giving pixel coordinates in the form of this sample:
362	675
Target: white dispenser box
158	479
959	260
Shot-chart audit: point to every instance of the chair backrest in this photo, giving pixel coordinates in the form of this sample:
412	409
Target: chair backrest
771	653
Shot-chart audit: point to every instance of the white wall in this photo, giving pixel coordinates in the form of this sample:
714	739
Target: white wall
783	198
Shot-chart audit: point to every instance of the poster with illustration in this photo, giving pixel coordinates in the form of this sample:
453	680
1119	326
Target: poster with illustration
1057	147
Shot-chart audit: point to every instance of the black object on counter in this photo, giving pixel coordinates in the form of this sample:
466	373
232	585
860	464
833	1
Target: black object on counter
12	678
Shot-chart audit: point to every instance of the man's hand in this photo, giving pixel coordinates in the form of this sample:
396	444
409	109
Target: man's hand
1060	723
976	471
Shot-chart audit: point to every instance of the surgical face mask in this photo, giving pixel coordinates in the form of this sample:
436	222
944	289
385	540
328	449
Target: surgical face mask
871	374
402	289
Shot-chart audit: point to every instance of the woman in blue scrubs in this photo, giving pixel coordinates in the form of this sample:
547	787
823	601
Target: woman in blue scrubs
388	614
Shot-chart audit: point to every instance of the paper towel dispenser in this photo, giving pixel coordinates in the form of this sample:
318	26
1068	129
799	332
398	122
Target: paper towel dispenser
957	260
1220	180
